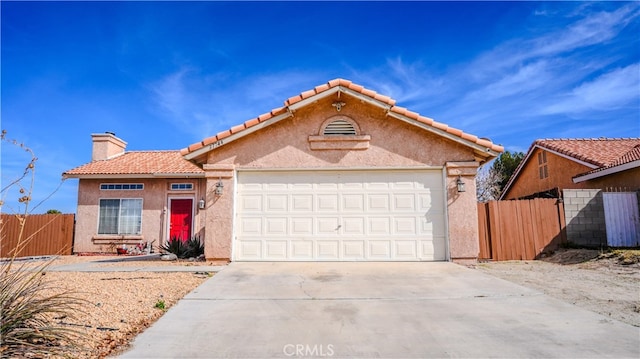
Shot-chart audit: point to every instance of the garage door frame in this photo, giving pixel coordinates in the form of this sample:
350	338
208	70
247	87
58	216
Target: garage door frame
239	171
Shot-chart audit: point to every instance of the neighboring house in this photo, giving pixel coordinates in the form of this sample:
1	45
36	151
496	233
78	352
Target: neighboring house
598	180
339	173
552	165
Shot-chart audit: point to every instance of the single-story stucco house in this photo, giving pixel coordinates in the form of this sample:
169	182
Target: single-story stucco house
339	173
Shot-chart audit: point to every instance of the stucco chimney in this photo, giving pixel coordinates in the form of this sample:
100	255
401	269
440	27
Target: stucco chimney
106	145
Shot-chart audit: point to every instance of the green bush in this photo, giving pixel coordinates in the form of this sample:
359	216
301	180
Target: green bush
160	304
192	247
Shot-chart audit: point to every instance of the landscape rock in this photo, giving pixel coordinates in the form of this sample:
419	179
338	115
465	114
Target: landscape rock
169	257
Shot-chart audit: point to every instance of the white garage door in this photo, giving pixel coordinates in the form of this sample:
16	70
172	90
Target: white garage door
340	216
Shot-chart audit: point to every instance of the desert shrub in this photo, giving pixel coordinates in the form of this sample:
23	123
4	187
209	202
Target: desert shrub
192	247
195	247
32	309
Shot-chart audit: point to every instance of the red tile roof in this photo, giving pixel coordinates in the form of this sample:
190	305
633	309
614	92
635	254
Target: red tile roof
631	156
150	163
384	100
596	151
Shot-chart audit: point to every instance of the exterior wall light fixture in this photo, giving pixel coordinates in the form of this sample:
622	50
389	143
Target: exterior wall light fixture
460	184
201	203
219	187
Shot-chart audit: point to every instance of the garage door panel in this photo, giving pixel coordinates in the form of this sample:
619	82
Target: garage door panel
431	225
380	249
379	226
301	226
277	203
378	203
327	203
429	202
276	250
328	249
301	203
251	250
400	185
353	226
340	215
275	226
301	250
404	202
251	226
327	225
433	249
353	249
300	187
353	203
405	249
404	225
251	203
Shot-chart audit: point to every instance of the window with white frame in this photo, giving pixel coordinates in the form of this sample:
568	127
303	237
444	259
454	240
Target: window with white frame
181	186
121	186
120	216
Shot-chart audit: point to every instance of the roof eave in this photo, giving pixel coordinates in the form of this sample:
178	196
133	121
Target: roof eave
203	150
133	175
606	172
482	151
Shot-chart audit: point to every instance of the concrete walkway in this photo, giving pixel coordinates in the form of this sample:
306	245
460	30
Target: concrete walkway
140	264
376	310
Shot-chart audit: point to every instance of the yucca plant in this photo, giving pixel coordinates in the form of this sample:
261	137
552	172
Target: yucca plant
176	246
192	247
195	246
29	309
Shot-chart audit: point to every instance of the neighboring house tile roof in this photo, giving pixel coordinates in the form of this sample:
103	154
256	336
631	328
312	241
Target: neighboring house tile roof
596	151
600	154
629	160
329	88
138	163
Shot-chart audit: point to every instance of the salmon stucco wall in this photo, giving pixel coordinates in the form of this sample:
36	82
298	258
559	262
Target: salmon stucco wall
286	145
154	226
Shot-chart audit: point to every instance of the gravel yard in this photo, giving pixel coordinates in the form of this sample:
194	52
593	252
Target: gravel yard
119	305
122	304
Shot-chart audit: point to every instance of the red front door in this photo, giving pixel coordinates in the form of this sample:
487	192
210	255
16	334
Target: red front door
181	219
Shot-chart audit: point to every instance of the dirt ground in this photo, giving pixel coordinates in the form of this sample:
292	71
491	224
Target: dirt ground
607	283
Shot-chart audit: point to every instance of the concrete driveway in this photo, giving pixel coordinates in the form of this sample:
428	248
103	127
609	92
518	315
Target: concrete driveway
376	310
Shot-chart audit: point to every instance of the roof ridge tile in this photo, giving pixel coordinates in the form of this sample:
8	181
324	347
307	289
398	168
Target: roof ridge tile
351	86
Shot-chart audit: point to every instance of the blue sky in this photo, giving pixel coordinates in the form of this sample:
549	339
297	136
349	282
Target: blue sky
163	75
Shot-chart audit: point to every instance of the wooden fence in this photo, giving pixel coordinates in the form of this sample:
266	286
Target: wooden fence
44	234
520	230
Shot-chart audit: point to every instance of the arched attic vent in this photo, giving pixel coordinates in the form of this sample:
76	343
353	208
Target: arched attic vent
340	126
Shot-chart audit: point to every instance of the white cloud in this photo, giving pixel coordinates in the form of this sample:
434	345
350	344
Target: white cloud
610	91
204	104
